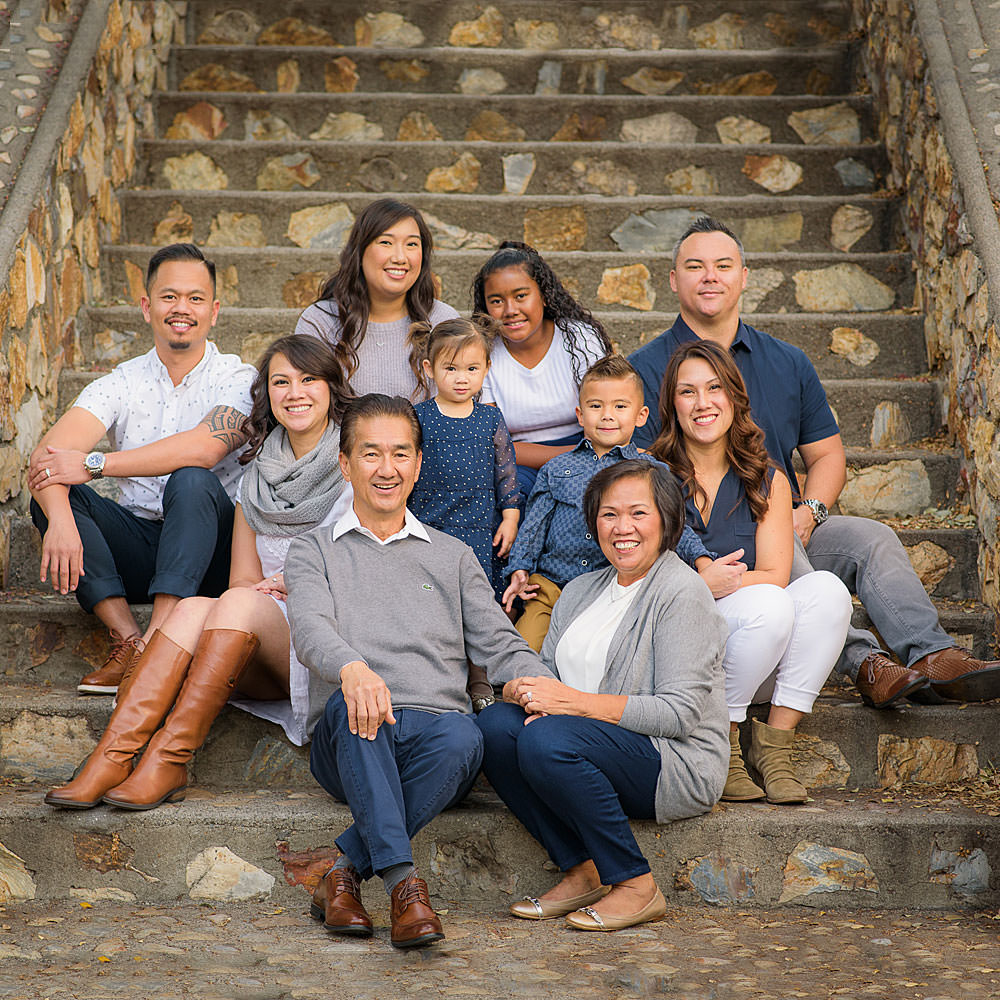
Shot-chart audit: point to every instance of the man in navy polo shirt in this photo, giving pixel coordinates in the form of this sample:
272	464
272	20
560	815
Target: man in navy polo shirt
789	403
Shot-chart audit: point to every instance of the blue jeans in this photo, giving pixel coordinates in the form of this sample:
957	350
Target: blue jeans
398	782
526	476
573	783
872	563
186	553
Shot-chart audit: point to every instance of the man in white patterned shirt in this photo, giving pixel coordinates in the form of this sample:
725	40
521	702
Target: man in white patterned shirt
174	419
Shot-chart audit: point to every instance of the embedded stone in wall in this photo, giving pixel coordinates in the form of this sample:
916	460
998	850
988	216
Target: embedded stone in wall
775	173
301	289
231	27
724	32
853	345
842	288
417	127
381	174
537	34
294	31
255	345
770	233
965	871
854	174
45	748
462	176
818	83
449	237
652	80
16	883
305	868
718	879
274	763
11	472
604	177
655	231
347	126
691	180
581	128
629	286
135	282
759	84
930	562
890	427
549	77
667	126
481	81
291	172
194	171
213	76
404	70
895	489
848	225
112	347
485	30
265	126
924	761
491	126
386	30
626	31
819	763
106	894
287	76
813	870
469	866
228	285
556	229
216	873
738	130
321	227
835	125
340	76
518	169
200	121
236	229
761	281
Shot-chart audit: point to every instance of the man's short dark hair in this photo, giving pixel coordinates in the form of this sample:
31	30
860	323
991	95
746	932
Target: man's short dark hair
375	404
178	251
706	224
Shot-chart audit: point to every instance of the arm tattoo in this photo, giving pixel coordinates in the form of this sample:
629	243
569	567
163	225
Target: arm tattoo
225	424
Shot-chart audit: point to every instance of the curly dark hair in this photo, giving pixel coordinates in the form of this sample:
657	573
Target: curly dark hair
560	306
345	292
309	355
744	443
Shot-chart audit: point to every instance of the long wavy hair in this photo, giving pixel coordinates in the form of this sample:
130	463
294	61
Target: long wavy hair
744	442
560	306
309	355
347	287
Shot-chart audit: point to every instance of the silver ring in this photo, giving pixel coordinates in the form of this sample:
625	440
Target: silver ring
274	579
531	695
48	473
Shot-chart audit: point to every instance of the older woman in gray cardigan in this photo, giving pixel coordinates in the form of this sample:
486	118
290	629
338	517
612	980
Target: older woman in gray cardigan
634	722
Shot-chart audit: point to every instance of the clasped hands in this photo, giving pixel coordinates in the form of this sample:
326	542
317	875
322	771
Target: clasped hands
58	467
540	696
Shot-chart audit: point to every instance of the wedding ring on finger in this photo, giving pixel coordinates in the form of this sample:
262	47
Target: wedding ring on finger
48	473
531	696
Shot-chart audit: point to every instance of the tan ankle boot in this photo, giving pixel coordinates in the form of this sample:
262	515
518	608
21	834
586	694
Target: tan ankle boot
221	657
145	695
771	754
739	786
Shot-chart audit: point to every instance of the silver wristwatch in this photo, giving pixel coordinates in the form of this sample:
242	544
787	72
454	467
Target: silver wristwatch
818	508
94	464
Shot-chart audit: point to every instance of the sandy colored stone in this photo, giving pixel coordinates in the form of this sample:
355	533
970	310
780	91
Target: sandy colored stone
111	347
294	31
214	76
761	281
924	761
44	747
628	286
758	84
462	176
930	562
627	31
219	874
738	130
320	227
848	225
236	229
288	76
16	883
486	30
34	273
594	176
291	172
556	229
135	282
835	125
12	468
231	27
537	34
691	180
452	237
347	126
724	32
775	173
107	894
386	30
481	81
264	126
518	169
894	489
255	345
652	80
194	171
404	70
417	127
301	289
667	126
841	288
581	128
491	126
819	763
818	83
340	76
890	426
201	121
770	233
853	345
227	282
813	871
92	160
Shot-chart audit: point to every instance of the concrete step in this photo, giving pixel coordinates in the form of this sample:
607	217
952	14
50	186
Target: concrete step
261	277
559	168
748	855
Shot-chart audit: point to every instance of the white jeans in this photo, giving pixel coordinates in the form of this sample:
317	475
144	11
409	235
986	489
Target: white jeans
783	643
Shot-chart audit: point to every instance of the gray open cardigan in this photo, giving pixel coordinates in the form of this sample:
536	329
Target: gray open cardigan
667	657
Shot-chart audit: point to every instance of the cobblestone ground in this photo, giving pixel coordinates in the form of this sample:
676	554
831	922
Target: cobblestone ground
253	952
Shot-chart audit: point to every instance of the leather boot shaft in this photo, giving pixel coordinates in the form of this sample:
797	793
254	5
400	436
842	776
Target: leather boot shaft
739	785
771	754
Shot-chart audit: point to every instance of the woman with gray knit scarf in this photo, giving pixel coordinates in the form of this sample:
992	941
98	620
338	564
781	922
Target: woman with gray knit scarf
237	645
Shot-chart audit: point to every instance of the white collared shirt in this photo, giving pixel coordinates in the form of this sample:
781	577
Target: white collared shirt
138	403
350	522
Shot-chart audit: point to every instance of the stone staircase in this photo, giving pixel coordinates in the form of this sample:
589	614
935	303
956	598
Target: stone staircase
596	131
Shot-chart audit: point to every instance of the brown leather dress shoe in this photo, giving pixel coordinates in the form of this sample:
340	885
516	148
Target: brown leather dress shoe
337	902
955	675
414	922
882	683
106	678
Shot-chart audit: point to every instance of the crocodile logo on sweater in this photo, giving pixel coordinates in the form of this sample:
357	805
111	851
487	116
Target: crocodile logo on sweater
427	586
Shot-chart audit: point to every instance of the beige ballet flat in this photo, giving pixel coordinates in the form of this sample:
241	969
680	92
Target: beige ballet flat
531	908
586	919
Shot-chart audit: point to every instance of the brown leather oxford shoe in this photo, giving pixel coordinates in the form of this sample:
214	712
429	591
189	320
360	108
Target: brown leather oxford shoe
337	902
882	683
955	675
414	922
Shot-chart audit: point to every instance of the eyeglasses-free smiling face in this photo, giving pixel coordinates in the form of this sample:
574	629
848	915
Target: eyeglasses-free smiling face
514	298
709	277
299	401
391	262
704	409
180	305
629	528
609	412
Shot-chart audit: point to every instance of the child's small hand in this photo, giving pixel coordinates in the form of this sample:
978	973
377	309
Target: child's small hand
518	587
506	533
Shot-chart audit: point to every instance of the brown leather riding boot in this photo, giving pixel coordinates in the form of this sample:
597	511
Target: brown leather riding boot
221	657
145	695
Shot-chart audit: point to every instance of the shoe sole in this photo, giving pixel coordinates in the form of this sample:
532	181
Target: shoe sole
903	692
177	795
319	914
97	689
978	685
419	942
68	804
748	798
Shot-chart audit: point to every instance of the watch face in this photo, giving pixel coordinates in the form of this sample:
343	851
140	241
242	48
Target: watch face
94	462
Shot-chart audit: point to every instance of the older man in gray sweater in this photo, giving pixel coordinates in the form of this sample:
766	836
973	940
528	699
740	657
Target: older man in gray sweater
386	613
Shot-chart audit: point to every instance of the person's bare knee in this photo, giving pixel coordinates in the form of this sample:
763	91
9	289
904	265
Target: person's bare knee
237	608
